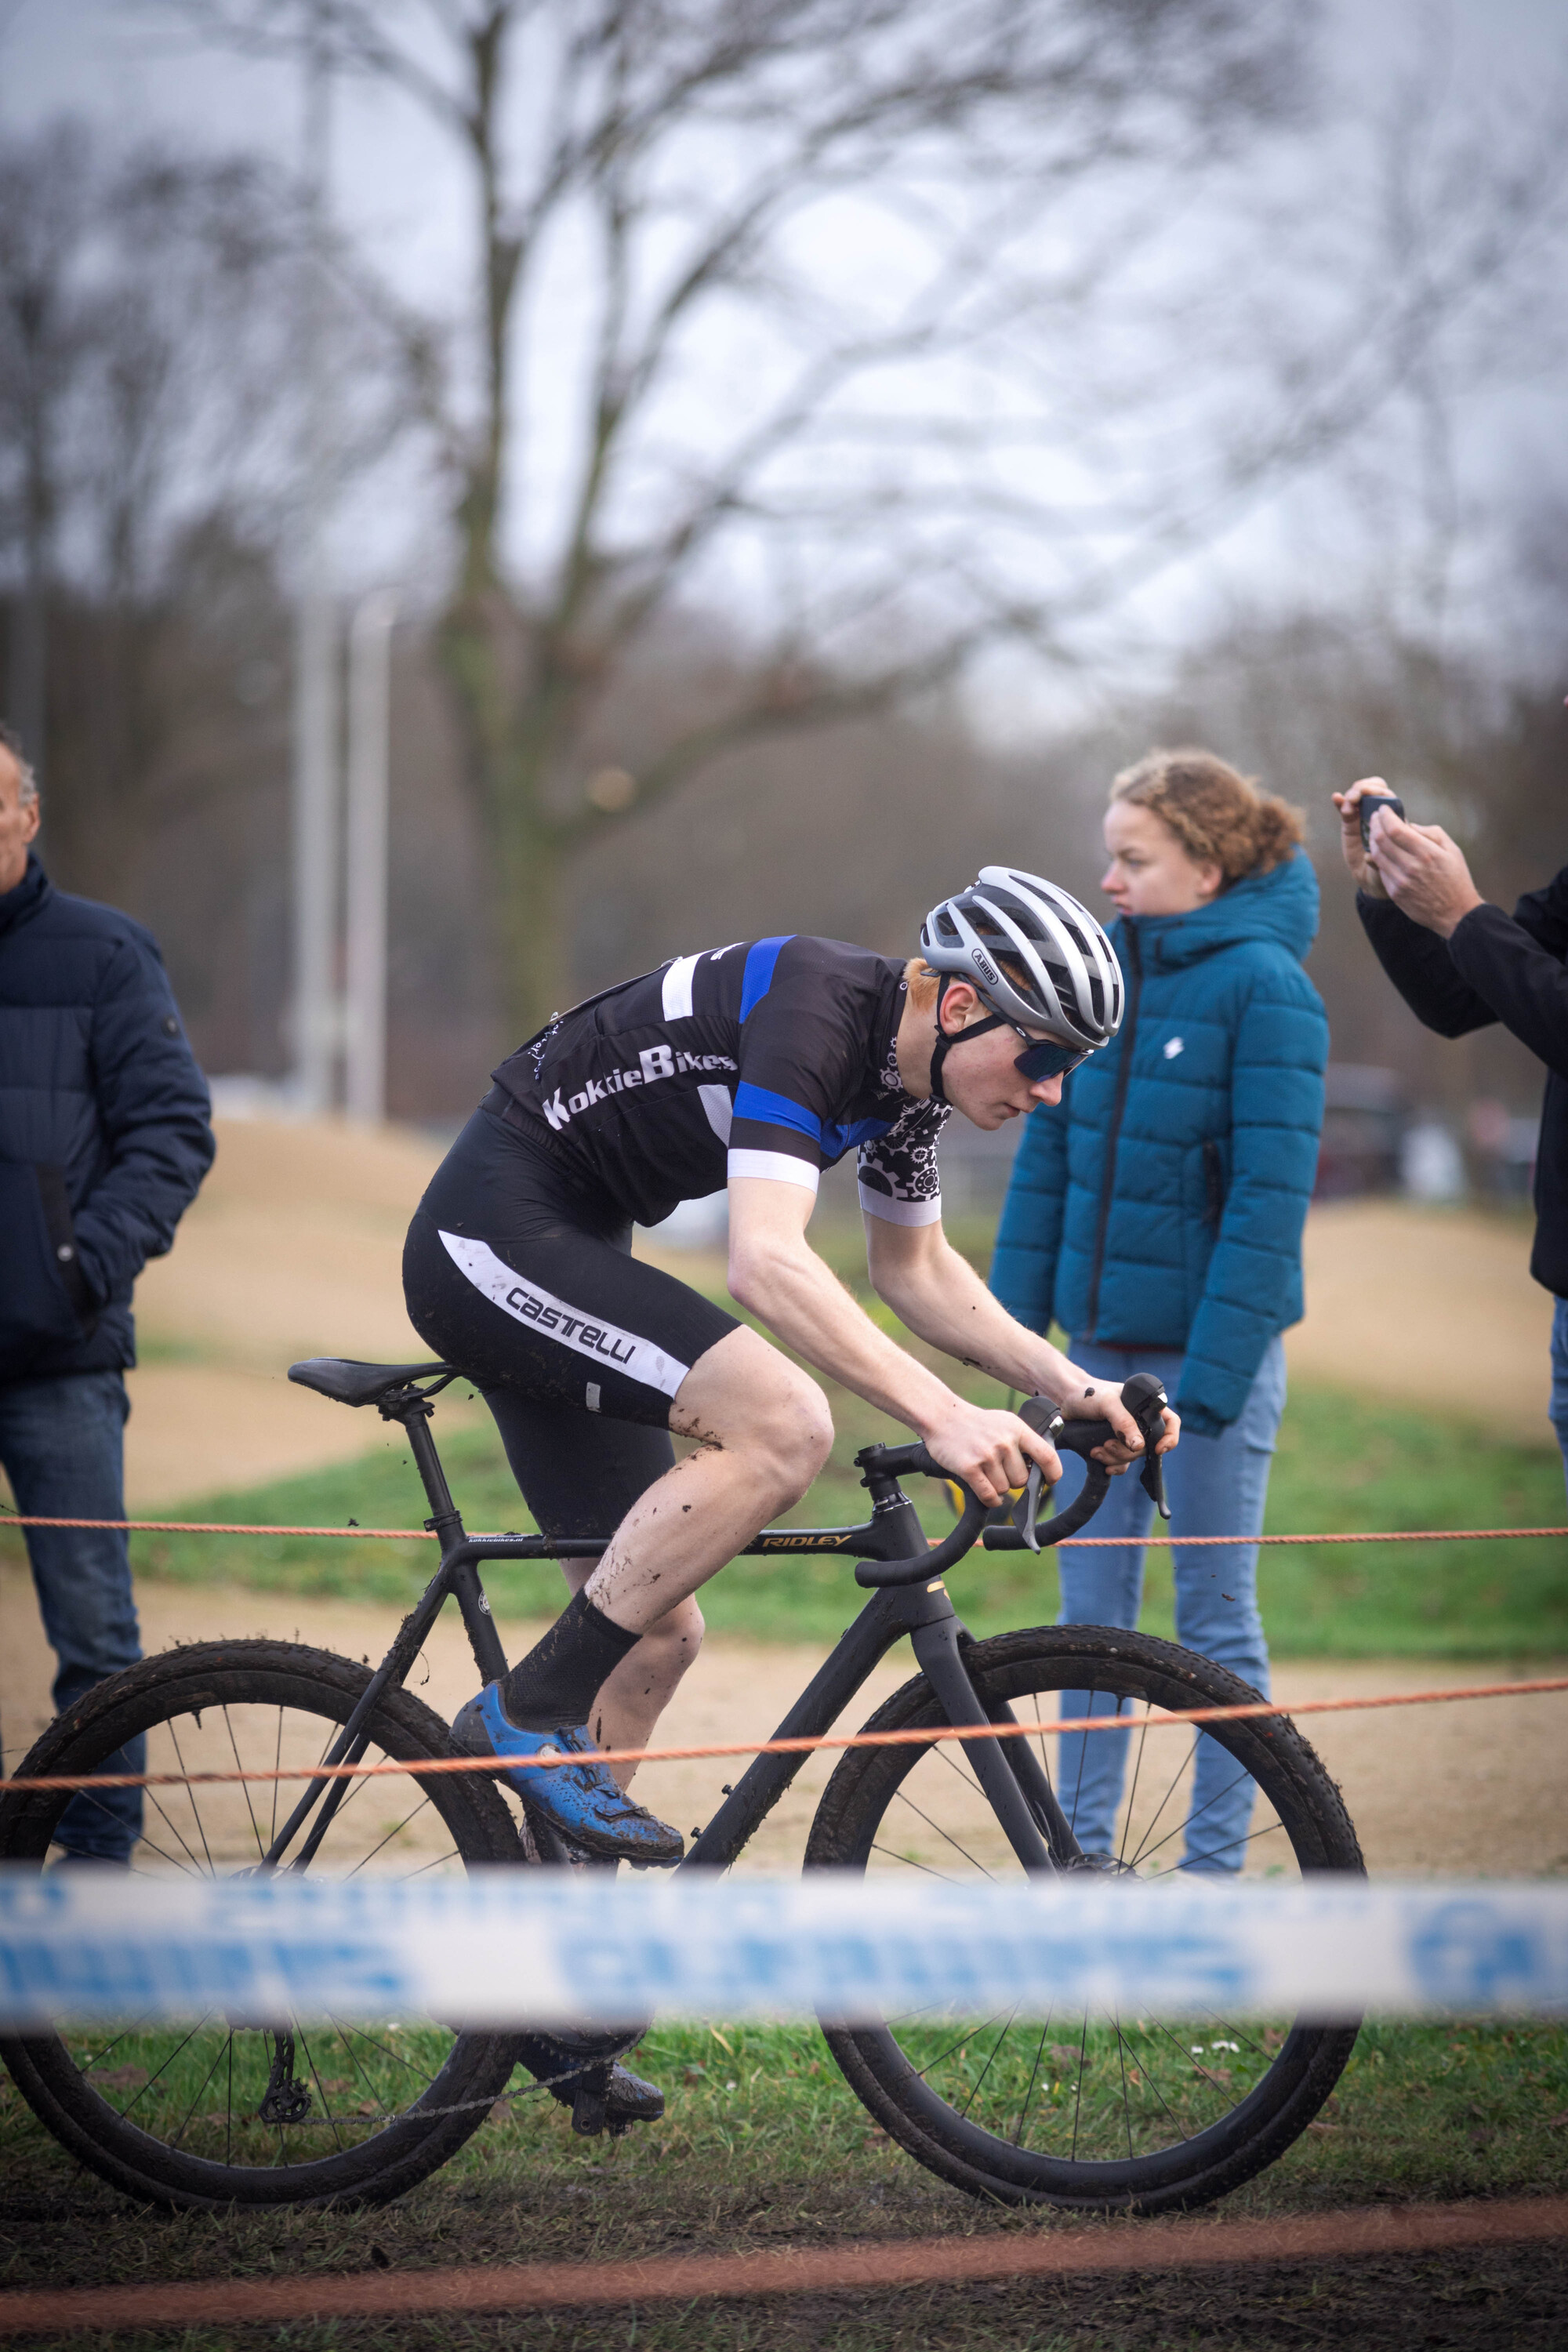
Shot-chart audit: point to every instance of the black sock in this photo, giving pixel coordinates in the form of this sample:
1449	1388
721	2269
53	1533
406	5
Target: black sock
556	1685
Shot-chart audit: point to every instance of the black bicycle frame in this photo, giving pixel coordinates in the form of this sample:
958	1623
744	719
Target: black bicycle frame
908	1596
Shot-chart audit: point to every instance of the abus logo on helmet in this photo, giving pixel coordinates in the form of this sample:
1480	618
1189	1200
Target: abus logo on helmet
984	967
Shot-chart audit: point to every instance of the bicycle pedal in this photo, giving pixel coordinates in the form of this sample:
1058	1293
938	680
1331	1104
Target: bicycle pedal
590	2110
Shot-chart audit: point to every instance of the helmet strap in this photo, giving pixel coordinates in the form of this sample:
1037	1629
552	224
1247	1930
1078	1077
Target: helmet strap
945	1042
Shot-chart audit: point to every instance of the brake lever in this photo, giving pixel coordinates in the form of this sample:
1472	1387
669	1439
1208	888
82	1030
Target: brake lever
1026	1509
1046	1419
1146	1398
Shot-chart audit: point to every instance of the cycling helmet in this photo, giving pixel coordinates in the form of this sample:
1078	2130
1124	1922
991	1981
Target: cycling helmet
1035	955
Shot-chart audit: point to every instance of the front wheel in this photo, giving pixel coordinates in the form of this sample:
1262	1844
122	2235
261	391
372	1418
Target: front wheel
211	2112
1125	2115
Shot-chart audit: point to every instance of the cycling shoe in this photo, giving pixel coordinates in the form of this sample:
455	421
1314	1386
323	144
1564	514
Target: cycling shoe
581	1803
601	2097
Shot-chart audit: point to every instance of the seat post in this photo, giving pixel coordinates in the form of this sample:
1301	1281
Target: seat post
415	1419
445	1523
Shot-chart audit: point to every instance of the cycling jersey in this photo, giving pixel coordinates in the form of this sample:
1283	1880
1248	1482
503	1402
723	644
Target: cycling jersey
769	1058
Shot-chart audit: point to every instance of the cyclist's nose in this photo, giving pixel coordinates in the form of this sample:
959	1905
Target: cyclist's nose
1046	1090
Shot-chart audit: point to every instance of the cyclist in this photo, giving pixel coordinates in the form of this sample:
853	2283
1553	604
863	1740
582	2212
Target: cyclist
762	1063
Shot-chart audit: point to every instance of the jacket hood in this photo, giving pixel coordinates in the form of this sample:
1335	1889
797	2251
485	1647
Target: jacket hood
29	894
1280	907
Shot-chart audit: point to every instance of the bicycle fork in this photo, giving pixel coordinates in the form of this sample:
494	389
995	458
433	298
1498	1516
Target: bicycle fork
1015	1783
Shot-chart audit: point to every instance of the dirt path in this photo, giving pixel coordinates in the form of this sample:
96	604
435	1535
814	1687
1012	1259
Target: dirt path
293	1248
1479	1786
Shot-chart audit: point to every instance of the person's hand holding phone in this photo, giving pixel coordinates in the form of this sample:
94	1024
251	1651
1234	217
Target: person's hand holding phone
1419	866
1356	833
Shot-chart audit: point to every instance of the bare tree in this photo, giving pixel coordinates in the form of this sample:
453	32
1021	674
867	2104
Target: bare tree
148	406
880	232
696	155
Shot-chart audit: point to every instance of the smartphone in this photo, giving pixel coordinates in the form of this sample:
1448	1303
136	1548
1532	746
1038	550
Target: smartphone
1367	808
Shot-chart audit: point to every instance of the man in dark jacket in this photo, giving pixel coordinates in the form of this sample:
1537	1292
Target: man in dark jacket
1460	964
104	1137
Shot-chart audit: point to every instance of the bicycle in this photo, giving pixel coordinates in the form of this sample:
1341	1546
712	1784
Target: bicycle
1131	2115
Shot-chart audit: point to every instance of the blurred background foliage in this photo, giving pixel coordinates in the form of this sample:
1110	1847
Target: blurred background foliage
896	591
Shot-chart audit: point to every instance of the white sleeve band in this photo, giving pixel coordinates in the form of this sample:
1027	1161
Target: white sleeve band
896	1212
776	1166
676	993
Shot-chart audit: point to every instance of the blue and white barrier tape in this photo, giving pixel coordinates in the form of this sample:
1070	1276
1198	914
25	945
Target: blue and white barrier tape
509	1947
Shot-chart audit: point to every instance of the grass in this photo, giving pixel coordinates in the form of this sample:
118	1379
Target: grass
1344	1461
763	2145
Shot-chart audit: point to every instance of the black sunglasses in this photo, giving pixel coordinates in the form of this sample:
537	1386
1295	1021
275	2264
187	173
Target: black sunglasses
1047	1058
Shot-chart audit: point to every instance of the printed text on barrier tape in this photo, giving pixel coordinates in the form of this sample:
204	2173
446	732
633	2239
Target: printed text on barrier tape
803	1746
505	1946
1073	1543
867	2265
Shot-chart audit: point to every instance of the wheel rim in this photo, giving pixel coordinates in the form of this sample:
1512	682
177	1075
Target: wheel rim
1093	2108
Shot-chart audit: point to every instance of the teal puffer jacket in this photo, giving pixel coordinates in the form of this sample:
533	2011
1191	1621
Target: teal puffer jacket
1161	1205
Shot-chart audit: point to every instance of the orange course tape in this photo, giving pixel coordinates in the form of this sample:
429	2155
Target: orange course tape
1073	1543
1044	2252
912	1737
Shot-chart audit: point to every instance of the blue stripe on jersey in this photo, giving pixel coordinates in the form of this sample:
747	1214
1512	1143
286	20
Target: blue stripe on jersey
837	1140
760	958
768	1108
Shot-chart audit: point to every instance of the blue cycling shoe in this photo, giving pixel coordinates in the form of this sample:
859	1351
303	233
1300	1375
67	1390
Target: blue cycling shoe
583	1802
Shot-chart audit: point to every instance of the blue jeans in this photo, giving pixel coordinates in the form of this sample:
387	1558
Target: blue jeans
1215	1486
1559	1379
62	1445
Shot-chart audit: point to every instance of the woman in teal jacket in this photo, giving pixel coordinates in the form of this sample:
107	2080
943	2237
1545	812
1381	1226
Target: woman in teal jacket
1157	1216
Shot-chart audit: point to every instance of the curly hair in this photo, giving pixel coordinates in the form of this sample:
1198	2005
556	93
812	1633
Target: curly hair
1215	813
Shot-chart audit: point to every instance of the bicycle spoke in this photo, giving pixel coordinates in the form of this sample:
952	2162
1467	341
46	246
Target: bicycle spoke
191	1800
327	2116
353	2057
1133	1792
397	1830
1077	2097
451	1855
909	1863
1171	1789
1034	2077
166	2065
952	1842
196	1870
245	1785
396	2057
986	2070
964	2039
1122	2064
190	2111
1218	1797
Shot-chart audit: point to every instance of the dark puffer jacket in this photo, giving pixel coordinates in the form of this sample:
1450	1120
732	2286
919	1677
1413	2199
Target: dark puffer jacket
1515	972
105	1129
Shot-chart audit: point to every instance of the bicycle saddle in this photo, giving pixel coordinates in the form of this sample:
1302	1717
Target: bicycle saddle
348	1382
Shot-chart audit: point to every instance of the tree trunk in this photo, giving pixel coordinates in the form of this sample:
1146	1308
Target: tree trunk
528	883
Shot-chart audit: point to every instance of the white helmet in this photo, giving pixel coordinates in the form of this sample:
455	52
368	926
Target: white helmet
1069	981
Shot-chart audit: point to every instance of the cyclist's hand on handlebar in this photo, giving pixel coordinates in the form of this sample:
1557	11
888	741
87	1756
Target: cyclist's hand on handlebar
992	1452
1101	1400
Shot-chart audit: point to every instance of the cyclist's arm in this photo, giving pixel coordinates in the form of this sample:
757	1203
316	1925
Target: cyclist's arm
775	1272
916	1271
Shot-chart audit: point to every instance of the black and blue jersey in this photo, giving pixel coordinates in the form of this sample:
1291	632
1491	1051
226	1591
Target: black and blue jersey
769	1058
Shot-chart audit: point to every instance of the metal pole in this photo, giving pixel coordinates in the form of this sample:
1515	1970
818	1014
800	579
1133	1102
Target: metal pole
370	739
316	714
27	684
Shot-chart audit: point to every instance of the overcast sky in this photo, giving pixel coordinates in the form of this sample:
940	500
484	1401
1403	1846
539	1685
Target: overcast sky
396	184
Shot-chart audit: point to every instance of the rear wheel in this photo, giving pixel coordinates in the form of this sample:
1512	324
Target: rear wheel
1131	2115
207	2112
